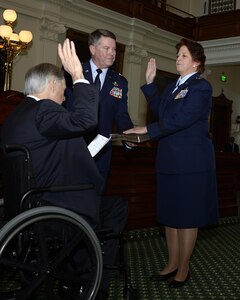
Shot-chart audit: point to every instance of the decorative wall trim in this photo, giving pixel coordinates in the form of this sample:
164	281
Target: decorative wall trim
222	51
50	30
136	54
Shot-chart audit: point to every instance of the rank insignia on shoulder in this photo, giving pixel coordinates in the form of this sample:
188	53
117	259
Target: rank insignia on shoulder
122	77
116	92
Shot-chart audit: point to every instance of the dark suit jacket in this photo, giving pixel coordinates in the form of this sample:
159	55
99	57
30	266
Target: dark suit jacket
113	110
229	147
182	127
59	152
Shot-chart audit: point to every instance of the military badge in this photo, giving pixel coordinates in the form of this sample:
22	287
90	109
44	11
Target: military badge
116	92
181	94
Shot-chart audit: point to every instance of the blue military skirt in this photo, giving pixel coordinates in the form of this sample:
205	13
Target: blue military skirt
187	200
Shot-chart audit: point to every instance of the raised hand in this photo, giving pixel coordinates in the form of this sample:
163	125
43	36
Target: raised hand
151	70
70	60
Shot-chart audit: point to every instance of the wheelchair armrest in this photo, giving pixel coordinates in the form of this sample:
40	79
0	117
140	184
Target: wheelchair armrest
62	188
18	147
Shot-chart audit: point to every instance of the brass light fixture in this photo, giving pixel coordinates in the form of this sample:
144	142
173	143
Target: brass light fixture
11	44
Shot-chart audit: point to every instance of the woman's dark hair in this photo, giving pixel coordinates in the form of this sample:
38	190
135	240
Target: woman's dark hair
196	50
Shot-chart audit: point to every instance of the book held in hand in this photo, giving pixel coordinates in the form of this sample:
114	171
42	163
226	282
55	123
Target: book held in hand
131	137
100	141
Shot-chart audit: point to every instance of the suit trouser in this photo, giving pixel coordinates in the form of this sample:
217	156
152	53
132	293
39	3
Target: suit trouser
114	213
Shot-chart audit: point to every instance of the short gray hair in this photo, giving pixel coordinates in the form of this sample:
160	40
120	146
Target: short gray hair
37	78
94	37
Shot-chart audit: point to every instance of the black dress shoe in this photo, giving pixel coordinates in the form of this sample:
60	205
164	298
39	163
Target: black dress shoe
163	277
177	284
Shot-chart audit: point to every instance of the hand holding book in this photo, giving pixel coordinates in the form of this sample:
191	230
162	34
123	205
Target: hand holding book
136	134
131	137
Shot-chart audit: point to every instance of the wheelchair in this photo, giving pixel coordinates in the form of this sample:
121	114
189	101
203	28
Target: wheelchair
39	246
42	246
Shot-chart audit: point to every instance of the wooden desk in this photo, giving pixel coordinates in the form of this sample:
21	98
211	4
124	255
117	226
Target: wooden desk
133	177
228	179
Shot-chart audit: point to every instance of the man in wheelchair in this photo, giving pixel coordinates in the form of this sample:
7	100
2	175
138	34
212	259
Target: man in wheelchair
59	153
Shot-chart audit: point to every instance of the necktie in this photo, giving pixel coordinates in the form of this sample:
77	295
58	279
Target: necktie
176	87
97	81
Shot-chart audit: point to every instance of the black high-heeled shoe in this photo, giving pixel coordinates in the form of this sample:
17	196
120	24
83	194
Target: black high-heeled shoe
177	284
163	277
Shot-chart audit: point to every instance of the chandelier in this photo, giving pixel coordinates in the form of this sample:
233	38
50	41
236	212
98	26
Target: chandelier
11	44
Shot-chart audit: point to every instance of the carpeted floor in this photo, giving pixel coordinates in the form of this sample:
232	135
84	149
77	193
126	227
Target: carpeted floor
215	265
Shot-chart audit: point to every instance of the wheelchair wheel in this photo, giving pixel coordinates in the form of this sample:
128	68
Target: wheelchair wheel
49	253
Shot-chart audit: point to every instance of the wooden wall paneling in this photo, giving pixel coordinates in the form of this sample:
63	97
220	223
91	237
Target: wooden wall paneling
148	11
220	121
218	26
207	27
8	102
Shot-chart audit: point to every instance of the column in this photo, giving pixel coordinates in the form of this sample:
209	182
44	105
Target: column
51	33
133	71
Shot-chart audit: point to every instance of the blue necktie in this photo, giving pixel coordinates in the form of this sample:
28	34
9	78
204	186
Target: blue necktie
97	81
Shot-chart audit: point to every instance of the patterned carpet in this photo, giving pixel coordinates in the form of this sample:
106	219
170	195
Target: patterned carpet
215	265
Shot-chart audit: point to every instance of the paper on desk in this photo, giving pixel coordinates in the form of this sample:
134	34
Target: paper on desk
97	144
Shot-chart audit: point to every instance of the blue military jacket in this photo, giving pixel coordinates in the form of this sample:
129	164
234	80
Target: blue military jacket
182	127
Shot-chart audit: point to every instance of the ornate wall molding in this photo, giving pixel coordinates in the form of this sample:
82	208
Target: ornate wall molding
135	54
50	30
222	51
